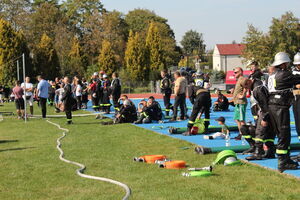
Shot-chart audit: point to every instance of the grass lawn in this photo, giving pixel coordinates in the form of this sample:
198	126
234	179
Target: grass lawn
30	168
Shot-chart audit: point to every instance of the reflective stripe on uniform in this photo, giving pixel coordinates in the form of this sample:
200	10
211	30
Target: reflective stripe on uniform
269	140
206	120
278	151
167	110
191	122
255	117
258	139
247	136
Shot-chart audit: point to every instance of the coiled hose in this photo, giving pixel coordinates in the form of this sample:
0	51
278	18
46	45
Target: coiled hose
80	172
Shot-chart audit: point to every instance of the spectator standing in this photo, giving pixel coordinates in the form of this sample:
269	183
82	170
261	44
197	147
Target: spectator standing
43	93
115	89
78	93
19	101
180	96
28	88
85	98
67	99
239	99
1	93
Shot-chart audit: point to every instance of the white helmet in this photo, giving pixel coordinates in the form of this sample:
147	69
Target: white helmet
104	76
297	59
281	58
126	102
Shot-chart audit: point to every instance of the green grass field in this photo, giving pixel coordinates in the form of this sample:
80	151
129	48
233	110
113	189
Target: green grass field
30	168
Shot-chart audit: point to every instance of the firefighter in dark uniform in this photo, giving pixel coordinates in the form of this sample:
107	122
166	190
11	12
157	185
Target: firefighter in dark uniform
296	104
115	90
201	99
94	90
166	90
264	130
280	87
151	112
105	103
127	113
67	99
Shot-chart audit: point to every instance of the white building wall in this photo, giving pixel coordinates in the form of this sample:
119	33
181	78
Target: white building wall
216	60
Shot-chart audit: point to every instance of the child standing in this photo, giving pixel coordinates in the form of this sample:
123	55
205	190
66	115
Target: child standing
224	134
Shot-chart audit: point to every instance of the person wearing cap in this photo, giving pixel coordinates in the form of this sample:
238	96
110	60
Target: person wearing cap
166	90
94	88
127	113
280	87
239	99
224	132
264	134
105	100
296	92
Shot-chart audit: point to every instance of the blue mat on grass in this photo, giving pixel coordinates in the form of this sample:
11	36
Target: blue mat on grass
162	128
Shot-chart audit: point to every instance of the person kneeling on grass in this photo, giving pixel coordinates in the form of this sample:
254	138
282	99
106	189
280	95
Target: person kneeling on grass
223	134
151	112
127	113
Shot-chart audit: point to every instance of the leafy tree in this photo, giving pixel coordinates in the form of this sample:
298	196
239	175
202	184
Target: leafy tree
135	58
154	47
76	66
193	43
283	35
107	60
12	45
45	57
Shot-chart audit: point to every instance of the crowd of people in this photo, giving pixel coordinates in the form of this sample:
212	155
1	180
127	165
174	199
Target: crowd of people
270	101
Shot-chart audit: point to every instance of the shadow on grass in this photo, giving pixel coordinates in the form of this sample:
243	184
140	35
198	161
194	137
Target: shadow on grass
16	149
8	141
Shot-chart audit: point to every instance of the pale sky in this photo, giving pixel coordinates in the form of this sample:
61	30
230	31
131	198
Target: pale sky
220	21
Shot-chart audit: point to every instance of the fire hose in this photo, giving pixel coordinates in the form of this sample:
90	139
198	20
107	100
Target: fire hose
80	171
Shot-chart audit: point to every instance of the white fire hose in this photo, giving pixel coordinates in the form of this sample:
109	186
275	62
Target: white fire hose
80	172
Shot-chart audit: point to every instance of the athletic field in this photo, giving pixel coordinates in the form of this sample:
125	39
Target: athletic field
31	169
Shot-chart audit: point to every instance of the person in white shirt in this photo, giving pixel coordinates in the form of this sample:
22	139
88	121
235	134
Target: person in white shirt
78	93
28	97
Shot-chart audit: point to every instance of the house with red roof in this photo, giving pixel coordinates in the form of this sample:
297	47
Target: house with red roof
228	56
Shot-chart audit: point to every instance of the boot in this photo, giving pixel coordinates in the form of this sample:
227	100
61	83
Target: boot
239	137
206	125
270	152
285	163
188	132
252	146
258	153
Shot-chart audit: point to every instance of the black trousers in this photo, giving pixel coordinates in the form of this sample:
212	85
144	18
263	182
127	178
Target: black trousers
296	109
167	103
202	103
68	110
79	102
280	120
95	102
179	101
264	134
43	106
115	99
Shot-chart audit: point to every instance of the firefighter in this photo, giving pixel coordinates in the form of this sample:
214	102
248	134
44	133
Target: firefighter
264	130
166	90
280	87
296	104
94	93
201	99
105	102
127	113
150	112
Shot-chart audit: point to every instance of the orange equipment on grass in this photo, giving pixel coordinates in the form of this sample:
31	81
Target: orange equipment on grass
149	158
174	164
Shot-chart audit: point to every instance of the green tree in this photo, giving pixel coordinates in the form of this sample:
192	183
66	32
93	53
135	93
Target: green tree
155	51
193	43
12	45
136	58
76	66
284	34
45	58
107	60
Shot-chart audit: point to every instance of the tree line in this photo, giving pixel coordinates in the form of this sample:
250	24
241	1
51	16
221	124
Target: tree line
78	37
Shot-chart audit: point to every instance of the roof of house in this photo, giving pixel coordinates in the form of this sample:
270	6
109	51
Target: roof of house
231	49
